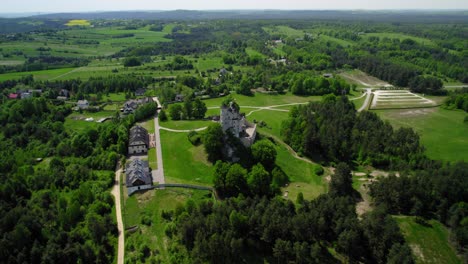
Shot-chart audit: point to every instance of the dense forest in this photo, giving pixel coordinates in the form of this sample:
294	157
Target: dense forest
333	130
58	209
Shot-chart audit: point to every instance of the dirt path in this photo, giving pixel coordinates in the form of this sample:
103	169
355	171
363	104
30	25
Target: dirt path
182	130
65	74
116	192
366	102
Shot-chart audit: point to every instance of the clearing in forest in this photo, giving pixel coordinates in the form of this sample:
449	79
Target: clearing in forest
363	79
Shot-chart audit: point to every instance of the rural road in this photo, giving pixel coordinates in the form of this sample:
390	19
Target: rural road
158	174
366	102
116	192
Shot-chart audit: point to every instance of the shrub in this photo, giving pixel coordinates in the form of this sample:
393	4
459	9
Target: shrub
194	138
318	170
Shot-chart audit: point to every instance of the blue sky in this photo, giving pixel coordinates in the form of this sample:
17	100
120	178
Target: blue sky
112	5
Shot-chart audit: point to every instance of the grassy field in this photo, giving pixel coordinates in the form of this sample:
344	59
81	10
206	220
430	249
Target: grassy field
183	162
185	124
285	31
150	205
401	37
443	132
252	52
38	75
260	99
429	244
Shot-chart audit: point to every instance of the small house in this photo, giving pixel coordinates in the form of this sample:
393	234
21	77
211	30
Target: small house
140	92
13	96
328	75
82	104
26	95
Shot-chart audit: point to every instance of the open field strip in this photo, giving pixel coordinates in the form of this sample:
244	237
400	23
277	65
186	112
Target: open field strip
399	98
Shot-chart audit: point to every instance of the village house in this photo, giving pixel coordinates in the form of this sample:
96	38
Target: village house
26	95
131	105
82	104
140	92
138	176
328	75
235	123
13	96
138	141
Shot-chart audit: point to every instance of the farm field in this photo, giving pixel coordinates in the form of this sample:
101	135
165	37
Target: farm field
430	244
443	132
390	99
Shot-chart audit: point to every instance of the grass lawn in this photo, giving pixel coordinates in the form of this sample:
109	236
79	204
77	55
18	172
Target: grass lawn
260	99
183	162
79	125
148	125
429	244
301	174
151	204
185	124
284	30
273	120
152	159
443	132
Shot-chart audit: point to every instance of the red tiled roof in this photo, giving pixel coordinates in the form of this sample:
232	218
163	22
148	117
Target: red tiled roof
13	96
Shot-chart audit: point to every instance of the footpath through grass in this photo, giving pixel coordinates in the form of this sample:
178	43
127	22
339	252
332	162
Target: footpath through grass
430	244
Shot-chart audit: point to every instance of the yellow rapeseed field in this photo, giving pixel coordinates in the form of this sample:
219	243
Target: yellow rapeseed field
78	22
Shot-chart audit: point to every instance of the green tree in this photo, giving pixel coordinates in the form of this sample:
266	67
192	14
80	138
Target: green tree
236	182
341	183
162	116
132	62
219	176
213	140
198	109
176	112
259	181
264	151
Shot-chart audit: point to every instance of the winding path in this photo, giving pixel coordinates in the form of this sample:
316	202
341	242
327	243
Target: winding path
118	210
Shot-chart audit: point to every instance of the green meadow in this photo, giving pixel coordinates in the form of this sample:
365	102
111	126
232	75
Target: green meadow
443	132
430	244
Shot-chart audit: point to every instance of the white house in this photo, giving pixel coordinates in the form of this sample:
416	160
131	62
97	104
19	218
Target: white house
82	104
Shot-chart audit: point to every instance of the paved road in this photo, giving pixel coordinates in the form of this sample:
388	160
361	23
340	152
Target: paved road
116	192
158	174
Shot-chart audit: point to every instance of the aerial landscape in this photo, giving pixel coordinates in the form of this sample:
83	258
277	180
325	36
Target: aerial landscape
234	132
